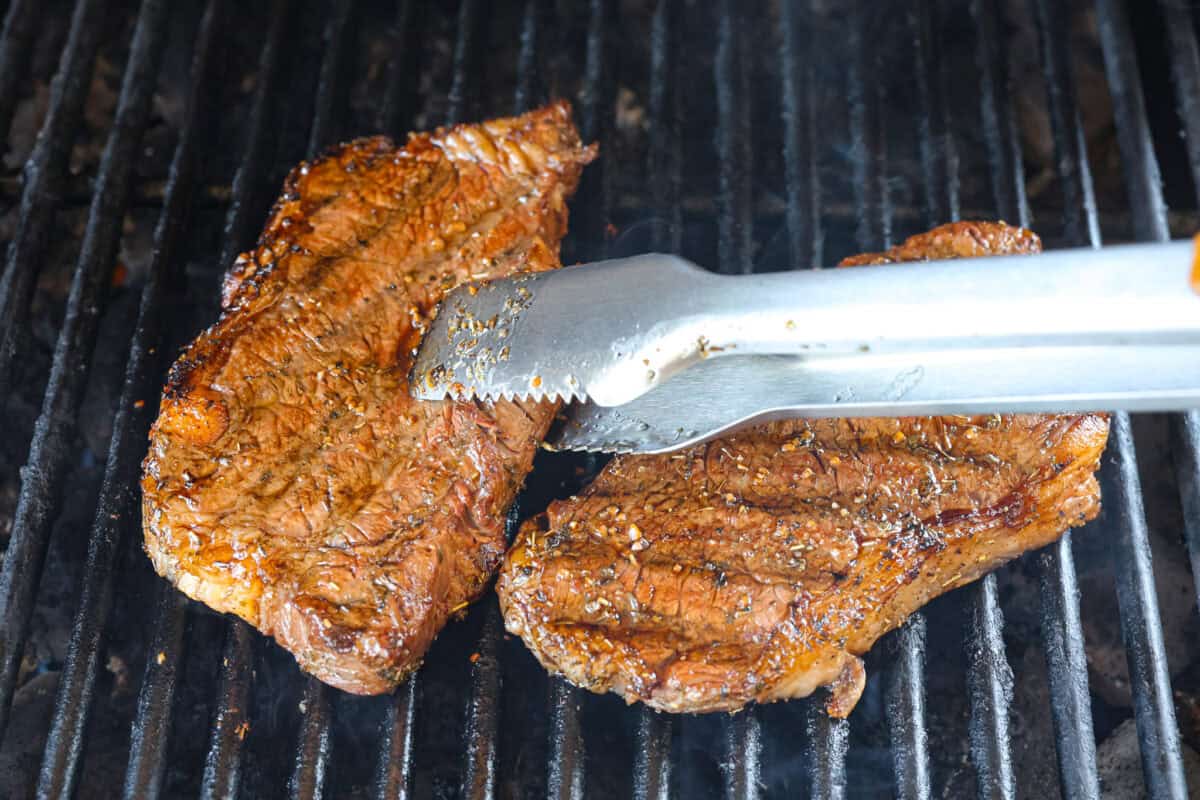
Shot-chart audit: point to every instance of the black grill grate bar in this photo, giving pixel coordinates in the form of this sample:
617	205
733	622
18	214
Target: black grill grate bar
1066	662
150	738
939	159
665	129
735	230
828	742
20	23
999	123
1141	624
398	92
867	147
1185	68
528	85
593	201
743	746
393	773
566	768
801	177
464	48
652	764
939	156
906	710
240	221
1080	217
330	102
1142	179
117	497
314	745
483	713
222	763
990	691
1187	467
43	179
594	85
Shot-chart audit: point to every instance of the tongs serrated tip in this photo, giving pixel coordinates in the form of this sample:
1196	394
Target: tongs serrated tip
522	335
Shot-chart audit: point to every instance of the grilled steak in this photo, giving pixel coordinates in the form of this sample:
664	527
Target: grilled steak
760	566
291	480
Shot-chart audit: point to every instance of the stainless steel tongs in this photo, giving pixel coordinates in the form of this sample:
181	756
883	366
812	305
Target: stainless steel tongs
659	354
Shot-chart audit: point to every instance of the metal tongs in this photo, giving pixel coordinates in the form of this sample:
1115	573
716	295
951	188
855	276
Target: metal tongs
656	354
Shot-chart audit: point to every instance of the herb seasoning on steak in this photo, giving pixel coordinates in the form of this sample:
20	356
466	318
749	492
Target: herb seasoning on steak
291	480
760	566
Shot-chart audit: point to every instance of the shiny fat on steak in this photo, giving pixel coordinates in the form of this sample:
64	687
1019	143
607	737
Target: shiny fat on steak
762	565
291	480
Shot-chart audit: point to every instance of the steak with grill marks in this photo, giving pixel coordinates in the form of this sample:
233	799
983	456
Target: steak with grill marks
762	565
291	480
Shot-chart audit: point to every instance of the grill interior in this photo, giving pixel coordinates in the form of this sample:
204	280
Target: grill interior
145	144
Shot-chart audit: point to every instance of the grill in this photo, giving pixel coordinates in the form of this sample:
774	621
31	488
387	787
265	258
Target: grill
745	135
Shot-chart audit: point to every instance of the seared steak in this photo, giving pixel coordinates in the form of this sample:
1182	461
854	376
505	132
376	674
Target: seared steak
291	480
761	566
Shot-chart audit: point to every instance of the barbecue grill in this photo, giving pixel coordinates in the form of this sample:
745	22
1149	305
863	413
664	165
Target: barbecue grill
747	136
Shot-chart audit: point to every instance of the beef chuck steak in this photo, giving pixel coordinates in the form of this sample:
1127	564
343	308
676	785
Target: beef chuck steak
291	480
760	566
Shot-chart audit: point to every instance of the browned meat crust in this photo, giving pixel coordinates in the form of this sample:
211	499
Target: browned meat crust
956	240
760	566
290	479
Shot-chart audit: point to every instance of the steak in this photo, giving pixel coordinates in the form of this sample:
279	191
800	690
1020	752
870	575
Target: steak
762	565
291	480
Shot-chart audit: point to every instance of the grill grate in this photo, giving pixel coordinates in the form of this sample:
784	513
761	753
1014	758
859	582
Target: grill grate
43	472
100	244
760	97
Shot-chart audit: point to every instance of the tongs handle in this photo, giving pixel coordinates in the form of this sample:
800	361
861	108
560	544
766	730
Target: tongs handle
1086	311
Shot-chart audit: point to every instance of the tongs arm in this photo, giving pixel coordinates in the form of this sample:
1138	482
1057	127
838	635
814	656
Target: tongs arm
1071	305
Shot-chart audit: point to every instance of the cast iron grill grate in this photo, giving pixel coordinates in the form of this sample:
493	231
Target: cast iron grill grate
748	137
